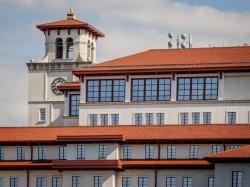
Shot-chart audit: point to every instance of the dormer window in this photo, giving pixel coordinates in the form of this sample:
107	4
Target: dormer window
59	48
70	48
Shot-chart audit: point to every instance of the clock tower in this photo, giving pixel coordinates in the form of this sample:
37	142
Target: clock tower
69	44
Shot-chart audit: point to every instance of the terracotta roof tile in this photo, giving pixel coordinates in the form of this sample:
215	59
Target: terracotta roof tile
163	133
73	86
171	60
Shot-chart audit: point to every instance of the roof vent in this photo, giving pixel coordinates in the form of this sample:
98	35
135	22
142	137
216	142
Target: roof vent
71	14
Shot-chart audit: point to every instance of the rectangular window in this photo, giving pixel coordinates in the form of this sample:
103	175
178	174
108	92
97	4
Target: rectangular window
195	117
1	182
98	181
142	182
170	181
41	153
206	117
56	182
210	181
93	119
20	153
105	90
233	147
216	148
76	181
184	118
80	151
231	117
193	151
127	152
149	118
74	105
236	179
187	182
151	89
126	182
102	153
138	118
149	152
63	152
197	88
1	153
171	152
42	114
104	119
40	182
115	119
14	182
160	118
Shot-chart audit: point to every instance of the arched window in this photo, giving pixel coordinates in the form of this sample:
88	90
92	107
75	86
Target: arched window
92	51
88	50
70	48
59	48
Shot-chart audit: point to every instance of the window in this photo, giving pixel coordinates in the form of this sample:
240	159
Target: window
151	89
80	151
206	117
74	105
195	117
1	182
40	182
98	181
126	182
104	119
56	182
193	151
142	182
42	114
41	153
170	181
184	118
160	118
187	182
63	152
1	153
171	152
105	90
210	181
59	48
138	118
233	147
236	179
216	148
20	153
231	117
127	152
102	151
93	119
70	48
115	119
197	88
14	182
76	181
149	152
149	118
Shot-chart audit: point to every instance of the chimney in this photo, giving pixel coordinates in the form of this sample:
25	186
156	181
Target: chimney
71	14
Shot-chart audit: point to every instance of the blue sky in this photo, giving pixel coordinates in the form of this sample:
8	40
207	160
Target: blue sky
130	26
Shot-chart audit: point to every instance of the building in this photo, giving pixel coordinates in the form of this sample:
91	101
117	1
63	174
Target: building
159	118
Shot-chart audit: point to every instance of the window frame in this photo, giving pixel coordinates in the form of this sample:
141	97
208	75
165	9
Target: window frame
115	119
206	116
41	182
102	151
93	118
160	118
238	182
57	182
77	106
42	114
196	118
104	119
138	118
209	178
171	152
149	152
231	119
41	153
15	180
144	181
149	118
59	46
80	152
62	153
126	181
98	181
193	152
183	181
20	153
78	181
1	153
185	119
127	152
172	182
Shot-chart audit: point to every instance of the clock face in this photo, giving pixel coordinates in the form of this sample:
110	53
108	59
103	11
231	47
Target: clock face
54	85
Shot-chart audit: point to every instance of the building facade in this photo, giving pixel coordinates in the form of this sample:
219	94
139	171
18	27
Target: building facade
159	118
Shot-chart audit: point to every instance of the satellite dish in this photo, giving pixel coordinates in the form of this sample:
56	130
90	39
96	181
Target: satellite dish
170	44
184	36
183	45
170	35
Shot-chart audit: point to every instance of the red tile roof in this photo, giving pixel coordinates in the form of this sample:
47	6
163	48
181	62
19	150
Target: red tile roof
241	153
70	24
73	86
153	134
174	60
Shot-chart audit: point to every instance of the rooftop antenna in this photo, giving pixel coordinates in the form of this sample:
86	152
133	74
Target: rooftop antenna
180	41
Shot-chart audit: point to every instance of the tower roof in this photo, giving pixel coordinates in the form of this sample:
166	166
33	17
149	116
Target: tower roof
70	23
